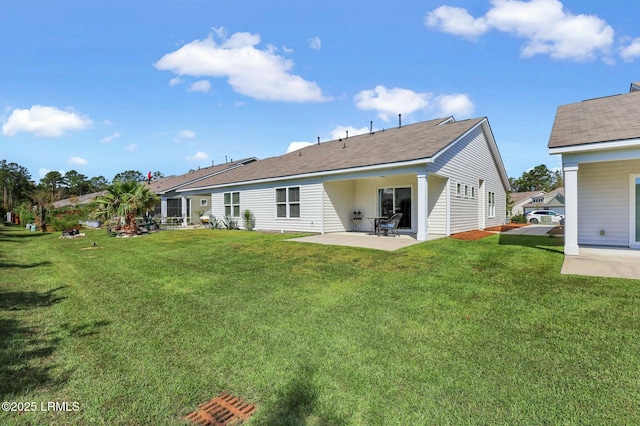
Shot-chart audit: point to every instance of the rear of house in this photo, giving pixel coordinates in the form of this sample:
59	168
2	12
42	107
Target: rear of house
443	176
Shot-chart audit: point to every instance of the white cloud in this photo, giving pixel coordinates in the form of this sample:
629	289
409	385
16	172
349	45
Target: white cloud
199	156
175	81
457	21
457	105
44	121
294	146
544	24
131	147
315	43
260	74
187	134
78	161
391	102
631	51
341	131
110	138
200	86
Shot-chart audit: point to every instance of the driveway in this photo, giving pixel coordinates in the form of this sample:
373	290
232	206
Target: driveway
538	230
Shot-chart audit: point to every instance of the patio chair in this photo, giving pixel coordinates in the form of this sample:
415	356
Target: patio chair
389	225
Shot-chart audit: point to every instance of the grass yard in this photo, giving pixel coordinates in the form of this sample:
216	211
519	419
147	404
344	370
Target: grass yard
141	330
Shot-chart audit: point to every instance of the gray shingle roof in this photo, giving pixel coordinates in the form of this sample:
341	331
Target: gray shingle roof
166	184
401	144
613	118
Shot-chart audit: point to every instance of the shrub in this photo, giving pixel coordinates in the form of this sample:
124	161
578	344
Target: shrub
249	220
519	218
230	222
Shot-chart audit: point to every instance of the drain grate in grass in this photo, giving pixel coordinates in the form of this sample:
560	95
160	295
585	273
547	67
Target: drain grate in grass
224	410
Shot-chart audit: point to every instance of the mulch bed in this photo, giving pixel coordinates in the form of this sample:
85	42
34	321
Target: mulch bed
478	234
471	235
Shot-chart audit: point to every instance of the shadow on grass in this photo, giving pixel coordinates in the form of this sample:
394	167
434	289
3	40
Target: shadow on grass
296	404
26	352
551	244
23	265
19	300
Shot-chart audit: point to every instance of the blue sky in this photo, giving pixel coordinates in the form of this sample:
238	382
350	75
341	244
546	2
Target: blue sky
107	86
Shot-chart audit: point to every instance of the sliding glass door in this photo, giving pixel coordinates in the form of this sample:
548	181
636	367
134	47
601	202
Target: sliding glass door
396	200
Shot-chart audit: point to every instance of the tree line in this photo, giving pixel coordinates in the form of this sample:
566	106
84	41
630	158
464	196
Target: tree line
19	189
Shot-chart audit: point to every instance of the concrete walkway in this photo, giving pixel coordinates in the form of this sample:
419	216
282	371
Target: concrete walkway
365	240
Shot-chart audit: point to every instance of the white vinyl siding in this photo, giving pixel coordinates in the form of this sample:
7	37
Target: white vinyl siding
260	199
339	206
467	162
603	202
437	208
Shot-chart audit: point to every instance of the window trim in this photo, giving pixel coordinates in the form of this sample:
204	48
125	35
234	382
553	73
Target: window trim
204	202
231	205
288	203
491	204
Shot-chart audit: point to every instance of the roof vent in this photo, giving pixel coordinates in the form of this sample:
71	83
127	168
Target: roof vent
318	140
347	135
399	120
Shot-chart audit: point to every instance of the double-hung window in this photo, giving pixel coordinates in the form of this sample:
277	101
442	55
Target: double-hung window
232	204
288	202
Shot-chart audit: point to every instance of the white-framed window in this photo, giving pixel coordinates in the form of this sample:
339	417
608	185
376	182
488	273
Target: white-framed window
288	202
232	204
203	202
491	204
473	192
458	189
466	191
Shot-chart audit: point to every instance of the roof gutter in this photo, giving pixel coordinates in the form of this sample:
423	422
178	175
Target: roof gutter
595	146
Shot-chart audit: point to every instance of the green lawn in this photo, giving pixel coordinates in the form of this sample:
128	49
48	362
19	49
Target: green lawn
141	330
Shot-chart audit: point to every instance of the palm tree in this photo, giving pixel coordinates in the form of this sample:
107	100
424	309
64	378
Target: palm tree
126	199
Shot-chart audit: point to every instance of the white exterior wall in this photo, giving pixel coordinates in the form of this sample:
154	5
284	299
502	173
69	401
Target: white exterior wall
338	205
468	162
437	205
261	200
603	202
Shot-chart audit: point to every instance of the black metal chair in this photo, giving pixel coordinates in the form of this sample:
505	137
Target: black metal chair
389	225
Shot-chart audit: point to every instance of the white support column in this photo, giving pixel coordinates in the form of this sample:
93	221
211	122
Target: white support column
184	210
571	209
163	207
423	206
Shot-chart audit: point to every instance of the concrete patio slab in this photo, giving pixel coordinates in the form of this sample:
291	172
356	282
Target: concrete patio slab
364	240
604	262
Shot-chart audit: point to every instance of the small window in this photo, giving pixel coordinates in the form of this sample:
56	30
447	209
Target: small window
203	202
459	190
466	191
491	199
473	192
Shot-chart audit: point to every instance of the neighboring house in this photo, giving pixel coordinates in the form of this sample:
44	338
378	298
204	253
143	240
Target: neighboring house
173	204
77	200
553	200
444	176
599	141
521	199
